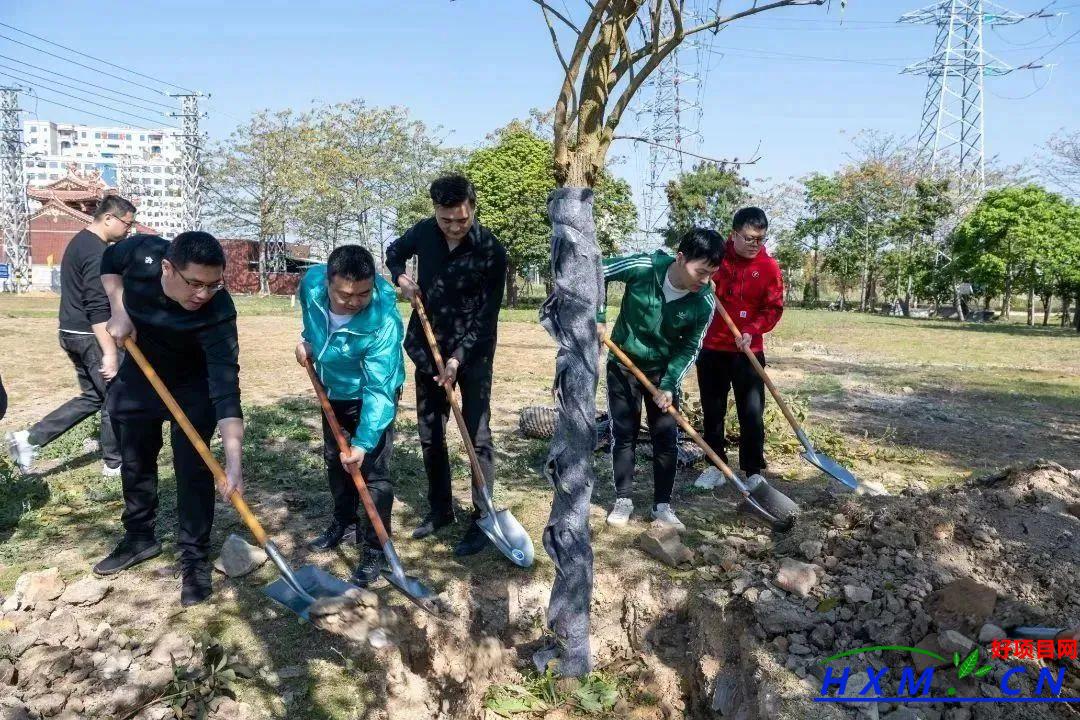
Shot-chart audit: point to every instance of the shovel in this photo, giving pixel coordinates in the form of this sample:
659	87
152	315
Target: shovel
501	527
295	590
819	460
765	501
412	588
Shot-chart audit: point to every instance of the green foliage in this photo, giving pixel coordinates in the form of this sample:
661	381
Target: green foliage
595	695
1020	238
707	196
513	178
194	692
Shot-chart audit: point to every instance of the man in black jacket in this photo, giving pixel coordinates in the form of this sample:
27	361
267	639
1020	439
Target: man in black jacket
170	298
462	268
84	310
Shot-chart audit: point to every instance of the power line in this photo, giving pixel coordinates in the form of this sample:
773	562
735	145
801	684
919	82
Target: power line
97	59
82	65
881	62
107	107
35	96
85	82
1039	59
23	75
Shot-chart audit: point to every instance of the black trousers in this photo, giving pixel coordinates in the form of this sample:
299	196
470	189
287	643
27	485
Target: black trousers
718	372
85	355
432	413
140	442
3	400
375	469
625	395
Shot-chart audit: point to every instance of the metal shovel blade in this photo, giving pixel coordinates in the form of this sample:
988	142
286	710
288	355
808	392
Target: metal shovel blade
419	593
314	582
509	536
831	468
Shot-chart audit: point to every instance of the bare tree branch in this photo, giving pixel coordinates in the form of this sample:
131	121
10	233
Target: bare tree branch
548	9
714	24
755	156
558	51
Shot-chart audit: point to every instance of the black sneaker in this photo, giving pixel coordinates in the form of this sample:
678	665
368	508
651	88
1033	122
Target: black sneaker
472	542
372	563
331	537
128	553
196	585
432	522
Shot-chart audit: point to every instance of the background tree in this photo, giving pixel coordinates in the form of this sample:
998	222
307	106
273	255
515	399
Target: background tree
252	176
513	178
1017	239
1064	165
707	196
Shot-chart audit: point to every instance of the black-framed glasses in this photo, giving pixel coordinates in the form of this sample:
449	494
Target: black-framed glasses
201	287
126	223
752	241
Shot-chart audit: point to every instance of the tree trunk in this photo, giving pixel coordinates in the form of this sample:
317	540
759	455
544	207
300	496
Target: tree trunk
1077	313
264	285
1065	300
907	297
817	281
1006	300
1046	300
569	316
511	284
1031	306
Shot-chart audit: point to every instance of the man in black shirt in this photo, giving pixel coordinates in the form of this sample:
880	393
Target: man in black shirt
84	310
170	298
462	268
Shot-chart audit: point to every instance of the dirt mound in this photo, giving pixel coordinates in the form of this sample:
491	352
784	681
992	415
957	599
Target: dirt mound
744	635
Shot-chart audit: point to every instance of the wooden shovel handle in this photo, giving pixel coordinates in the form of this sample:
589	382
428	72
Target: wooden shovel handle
477	471
196	441
343	446
679	417
760	370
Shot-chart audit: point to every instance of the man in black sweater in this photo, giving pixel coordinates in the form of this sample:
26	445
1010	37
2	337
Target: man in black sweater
462	268
170	298
84	310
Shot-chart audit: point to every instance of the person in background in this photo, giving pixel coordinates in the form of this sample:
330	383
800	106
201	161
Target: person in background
749	284
84	311
462	269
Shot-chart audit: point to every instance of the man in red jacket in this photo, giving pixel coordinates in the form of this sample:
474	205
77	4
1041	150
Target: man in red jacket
749	285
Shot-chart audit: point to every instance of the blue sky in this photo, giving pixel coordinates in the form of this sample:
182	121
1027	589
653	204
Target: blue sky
799	82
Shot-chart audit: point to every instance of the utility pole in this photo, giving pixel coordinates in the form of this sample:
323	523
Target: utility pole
14	211
191	149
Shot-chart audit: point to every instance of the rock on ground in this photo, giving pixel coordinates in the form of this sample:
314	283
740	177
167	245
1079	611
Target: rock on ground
664	544
87	591
238	557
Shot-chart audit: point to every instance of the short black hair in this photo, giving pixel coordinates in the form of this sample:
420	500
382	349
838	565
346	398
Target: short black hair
195	246
352	262
752	216
452	190
702	244
113	205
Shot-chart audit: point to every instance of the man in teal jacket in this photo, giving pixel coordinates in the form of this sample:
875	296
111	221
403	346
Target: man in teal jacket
352	332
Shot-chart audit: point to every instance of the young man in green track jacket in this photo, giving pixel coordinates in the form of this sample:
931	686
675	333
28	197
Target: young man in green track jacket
666	308
352	332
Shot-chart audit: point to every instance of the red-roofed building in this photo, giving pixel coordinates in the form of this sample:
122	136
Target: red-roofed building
63	208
